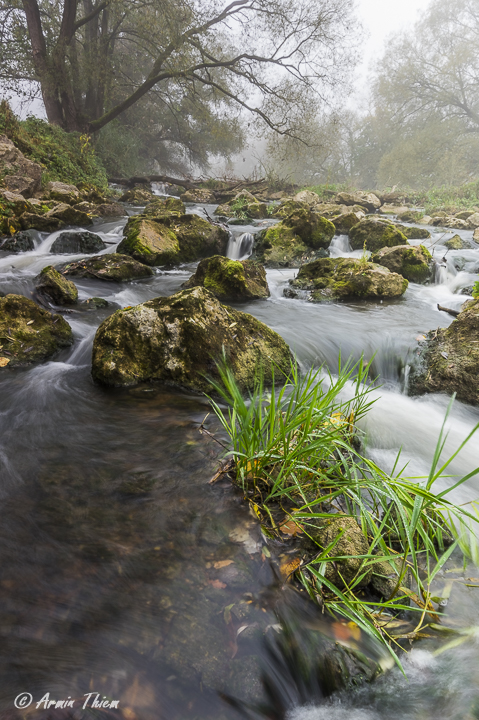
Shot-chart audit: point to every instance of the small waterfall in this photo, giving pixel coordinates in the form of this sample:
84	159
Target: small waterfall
240	247
159	188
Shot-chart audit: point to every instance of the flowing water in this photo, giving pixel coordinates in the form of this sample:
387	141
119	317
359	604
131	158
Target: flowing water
124	573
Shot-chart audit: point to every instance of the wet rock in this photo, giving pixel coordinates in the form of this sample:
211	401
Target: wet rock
43	223
457	243
308	197
18	243
77	242
51	284
69	215
110	209
94	303
473	220
375	234
137	196
164	207
385	578
449	221
20	175
172	240
113	266
448	360
63	193
475	237
230	279
198	195
178	340
345	221
367	200
352	542
414	263
29	334
414	233
244	205
411	216
390	209
289	206
301	236
343	278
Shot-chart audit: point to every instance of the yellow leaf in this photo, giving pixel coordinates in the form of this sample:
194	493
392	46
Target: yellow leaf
222	563
4	361
289	566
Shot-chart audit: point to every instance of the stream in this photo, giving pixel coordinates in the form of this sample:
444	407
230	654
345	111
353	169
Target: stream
123	573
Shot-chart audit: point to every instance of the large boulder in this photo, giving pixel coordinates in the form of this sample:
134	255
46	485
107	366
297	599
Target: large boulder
69	215
179	339
449	221
473	220
56	288
367	200
113	266
63	193
414	233
307	196
15	202
108	209
29	334
243	206
137	196
43	223
345	221
345	278
475	236
230	279
172	240
457	243
414	263
18	243
164	207
411	216
448	360
71	243
375	234
21	176
390	209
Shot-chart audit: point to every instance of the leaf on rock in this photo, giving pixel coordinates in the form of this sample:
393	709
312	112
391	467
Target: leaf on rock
4	361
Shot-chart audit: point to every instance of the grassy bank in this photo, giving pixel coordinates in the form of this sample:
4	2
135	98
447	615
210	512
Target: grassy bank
365	544
65	157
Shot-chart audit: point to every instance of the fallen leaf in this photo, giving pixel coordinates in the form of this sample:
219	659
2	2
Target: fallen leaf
217	584
290	528
288	567
4	361
346	631
222	563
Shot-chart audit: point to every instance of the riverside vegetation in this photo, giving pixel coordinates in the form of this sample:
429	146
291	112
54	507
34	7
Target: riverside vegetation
369	543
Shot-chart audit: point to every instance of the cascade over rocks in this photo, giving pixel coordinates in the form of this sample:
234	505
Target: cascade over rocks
52	285
28	333
375	234
448	360
414	263
230	279
112	266
172	239
72	242
177	341
344	278
367	200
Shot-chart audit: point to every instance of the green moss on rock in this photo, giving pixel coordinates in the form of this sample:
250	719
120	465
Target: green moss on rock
163	207
457	243
113	266
414	263
414	233
375	234
29	334
178	341
55	287
343	278
230	279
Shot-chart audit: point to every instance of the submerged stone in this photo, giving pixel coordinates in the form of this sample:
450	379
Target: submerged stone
375	234
178	340
55	287
448	360
77	242
112	266
230	279
343	278
29	334
414	263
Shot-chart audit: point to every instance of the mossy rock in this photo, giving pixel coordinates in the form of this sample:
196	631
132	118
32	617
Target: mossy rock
414	263
15	203
279	246
163	207
18	243
43	223
352	542
55	287
290	206
113	266
69	215
77	242
63	193
411	216
347	278
230	279
375	234
243	205
198	195
172	240
29	334
448	360
457	243
137	196
414	233
345	221
178	340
